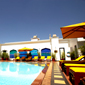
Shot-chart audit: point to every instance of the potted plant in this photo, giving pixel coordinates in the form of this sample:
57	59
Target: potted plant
39	55
0	55
76	53
7	57
72	55
82	48
63	56
15	55
4	56
53	57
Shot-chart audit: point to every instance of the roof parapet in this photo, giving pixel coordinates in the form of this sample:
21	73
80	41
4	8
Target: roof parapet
35	38
54	36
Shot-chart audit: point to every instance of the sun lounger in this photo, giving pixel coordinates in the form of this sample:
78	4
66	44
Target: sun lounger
17	58
71	61
29	58
48	58
22	59
42	58
78	59
76	62
75	74
35	58
67	66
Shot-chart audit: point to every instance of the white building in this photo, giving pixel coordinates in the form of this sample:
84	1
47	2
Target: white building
53	43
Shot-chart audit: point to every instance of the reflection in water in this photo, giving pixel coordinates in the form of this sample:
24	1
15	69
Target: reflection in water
4	66
19	72
20	68
12	67
28	69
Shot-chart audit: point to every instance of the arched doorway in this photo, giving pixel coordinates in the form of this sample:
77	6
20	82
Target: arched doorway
34	52
12	52
45	52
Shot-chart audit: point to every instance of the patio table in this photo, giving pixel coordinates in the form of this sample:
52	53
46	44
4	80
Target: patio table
67	66
77	72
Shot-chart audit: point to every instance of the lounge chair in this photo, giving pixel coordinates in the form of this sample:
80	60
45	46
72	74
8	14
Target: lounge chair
22	59
48	58
68	65
80	58
42	58
72	61
29	58
77	61
35	58
17	58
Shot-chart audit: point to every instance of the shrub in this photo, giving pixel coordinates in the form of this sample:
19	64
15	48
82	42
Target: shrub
15	55
72	54
53	56
39	54
82	48
4	55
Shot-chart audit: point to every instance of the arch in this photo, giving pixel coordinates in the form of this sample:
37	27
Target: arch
12	52
62	52
45	52
34	52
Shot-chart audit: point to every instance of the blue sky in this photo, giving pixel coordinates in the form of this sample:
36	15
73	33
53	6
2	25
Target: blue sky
20	20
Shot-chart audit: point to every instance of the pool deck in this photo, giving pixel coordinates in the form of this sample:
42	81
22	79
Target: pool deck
50	75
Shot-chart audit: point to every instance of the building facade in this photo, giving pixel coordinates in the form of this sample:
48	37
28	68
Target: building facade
54	43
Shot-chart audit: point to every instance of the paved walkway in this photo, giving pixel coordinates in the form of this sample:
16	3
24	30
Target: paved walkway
57	77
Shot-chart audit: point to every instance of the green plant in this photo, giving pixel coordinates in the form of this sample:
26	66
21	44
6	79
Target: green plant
72	55
53	56
39	54
76	53
4	55
15	55
0	54
82	48
63	55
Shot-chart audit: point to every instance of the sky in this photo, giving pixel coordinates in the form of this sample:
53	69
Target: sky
20	20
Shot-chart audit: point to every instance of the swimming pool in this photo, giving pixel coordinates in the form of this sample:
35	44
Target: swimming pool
18	73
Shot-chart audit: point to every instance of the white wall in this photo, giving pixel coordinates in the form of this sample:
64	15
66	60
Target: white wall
72	43
55	46
38	46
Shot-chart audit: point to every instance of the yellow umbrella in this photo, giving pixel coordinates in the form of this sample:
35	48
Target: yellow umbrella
25	49
73	31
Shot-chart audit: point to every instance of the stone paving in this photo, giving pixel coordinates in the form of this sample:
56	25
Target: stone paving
55	76
58	77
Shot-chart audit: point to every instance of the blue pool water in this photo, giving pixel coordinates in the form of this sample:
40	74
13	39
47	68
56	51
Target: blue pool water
18	73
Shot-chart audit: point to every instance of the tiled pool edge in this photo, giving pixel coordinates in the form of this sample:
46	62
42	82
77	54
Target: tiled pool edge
44	76
47	78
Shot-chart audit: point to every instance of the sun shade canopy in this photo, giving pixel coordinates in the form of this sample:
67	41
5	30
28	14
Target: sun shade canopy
73	31
25	49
